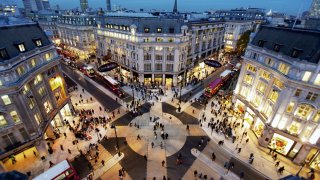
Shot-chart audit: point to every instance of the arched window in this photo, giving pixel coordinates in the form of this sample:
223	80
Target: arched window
303	111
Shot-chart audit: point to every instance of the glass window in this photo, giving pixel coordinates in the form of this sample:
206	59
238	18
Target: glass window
312	96
298	92
169	67
265	75
294	128
269	61
3	121
278	83
33	62
6	99
257	99
248	79
38	43
42	91
48	56
31	102
21	70
158	57
159	30
244	91
147	67
37	79
290	107
159	39
316	117
307	132
15	116
267	109
317	80
158	67
47	106
146	30
251	68
303	111
261	86
274	96
284	68
21	47
306	76
37	118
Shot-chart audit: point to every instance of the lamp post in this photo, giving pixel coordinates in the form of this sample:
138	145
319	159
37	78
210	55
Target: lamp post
115	131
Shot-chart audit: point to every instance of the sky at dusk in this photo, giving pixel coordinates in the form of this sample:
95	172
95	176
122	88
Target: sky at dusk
288	6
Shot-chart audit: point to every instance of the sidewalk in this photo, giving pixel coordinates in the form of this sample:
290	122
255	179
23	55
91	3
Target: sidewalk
263	162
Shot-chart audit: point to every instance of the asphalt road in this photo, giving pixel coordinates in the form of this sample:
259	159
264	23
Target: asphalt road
199	87
175	171
133	163
184	117
104	99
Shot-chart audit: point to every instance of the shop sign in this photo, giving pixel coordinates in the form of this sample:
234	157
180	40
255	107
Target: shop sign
107	67
212	63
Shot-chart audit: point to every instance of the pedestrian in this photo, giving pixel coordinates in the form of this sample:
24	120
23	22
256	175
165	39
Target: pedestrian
152	144
61	147
187	127
247	140
193	111
277	164
239	150
195	172
145	157
69	151
161	145
163	162
241	175
35	154
65	135
102	162
167	135
275	156
213	157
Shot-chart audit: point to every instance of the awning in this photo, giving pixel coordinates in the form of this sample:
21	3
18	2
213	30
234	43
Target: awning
212	63
107	67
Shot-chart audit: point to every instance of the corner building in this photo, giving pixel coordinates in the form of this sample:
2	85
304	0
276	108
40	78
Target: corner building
33	95
278	92
165	49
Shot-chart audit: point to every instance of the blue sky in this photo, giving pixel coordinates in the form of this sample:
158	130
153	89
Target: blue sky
288	6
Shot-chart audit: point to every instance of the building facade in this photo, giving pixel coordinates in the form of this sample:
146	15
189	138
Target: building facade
76	33
278	90
315	9
256	14
233	31
48	23
36	5
156	49
33	93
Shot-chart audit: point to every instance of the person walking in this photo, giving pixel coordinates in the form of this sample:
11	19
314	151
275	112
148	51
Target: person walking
163	162
195	172
102	162
241	176
277	164
152	144
213	156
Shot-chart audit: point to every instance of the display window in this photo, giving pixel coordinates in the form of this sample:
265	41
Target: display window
312	154
281	144
315	164
239	106
258	127
248	120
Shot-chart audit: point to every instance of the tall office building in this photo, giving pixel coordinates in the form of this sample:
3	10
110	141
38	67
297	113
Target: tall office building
45	4
36	5
84	5
315	9
108	5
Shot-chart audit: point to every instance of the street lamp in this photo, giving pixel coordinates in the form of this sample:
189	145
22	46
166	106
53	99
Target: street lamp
115	131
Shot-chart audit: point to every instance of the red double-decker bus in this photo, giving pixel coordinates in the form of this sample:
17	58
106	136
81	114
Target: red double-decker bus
213	87
112	84
62	170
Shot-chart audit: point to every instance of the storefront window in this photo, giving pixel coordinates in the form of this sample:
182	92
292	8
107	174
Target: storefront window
257	99
15	116
303	111
258	127
311	155
274	96
248	120
315	164
294	128
316	117
248	79
290	107
281	144
55	82
261	86
244	91
240	106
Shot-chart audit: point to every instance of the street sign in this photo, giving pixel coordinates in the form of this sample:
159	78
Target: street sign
212	63
107	67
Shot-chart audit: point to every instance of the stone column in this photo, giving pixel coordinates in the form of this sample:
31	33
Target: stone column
41	148
302	154
266	136
2	167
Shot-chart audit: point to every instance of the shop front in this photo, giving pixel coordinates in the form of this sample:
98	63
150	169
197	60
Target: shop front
124	74
248	118
147	79
169	80
158	79
239	106
281	144
258	127
313	159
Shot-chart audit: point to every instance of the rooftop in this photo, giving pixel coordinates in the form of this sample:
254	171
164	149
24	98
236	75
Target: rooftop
306	43
128	14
